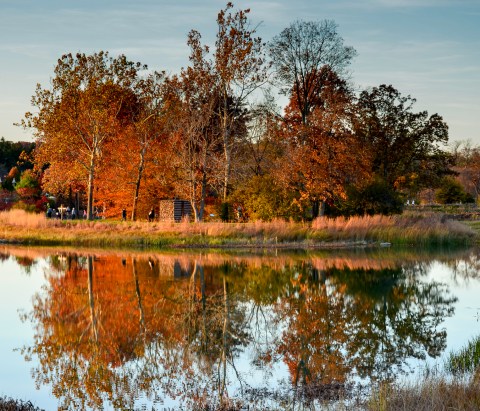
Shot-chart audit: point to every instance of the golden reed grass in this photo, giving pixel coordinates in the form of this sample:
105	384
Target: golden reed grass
20	218
420	227
430	394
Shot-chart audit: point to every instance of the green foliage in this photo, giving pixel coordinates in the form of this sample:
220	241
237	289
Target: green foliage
375	198
451	191
11	153
225	211
22	205
28	180
264	200
466	360
404	144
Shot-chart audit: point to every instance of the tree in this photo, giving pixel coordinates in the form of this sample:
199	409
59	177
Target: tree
14	154
310	60
11	179
324	156
300	52
376	197
467	165
30	192
451	191
150	125
130	159
406	146
238	68
197	133
86	106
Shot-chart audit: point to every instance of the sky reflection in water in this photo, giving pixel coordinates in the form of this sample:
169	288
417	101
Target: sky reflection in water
121	330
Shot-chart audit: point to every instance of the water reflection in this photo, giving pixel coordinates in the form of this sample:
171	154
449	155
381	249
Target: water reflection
208	330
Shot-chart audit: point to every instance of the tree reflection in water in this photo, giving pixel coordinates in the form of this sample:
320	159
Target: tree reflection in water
123	330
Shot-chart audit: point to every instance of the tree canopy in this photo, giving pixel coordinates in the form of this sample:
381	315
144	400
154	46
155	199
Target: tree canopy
120	136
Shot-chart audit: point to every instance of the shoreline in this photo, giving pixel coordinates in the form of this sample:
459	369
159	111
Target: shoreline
412	229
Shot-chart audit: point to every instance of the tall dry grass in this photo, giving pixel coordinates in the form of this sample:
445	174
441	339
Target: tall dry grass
432	394
408	228
20	218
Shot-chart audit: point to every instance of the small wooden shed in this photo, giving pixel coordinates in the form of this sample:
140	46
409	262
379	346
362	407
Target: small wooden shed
174	210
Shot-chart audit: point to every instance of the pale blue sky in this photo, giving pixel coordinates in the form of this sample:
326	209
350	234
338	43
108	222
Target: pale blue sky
429	49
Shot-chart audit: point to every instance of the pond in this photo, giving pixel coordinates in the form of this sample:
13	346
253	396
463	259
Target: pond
192	330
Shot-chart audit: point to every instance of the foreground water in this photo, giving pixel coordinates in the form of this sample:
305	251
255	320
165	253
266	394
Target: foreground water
118	330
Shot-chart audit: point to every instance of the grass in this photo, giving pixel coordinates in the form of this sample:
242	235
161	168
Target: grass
466	360
432	394
456	387
409	228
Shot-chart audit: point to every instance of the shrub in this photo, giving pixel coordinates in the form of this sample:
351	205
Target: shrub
375	198
451	191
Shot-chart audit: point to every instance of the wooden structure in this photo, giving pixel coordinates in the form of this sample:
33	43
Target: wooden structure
174	210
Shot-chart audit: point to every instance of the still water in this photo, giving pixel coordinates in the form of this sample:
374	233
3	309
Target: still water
119	330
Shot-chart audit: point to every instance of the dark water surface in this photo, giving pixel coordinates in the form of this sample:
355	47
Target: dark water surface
119	330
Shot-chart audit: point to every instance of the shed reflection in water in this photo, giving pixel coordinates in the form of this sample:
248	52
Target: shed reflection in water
207	330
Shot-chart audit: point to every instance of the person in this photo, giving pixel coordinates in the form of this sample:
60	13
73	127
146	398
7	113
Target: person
74	213
84	214
151	215
124	215
49	213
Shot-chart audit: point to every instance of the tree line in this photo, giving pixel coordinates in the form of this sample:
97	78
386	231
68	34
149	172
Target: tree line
124	137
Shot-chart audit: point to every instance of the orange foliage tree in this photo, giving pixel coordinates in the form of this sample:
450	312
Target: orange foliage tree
135	156
238	69
84	109
322	156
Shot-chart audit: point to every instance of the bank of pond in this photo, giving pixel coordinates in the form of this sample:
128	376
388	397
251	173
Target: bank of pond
320	329
409	228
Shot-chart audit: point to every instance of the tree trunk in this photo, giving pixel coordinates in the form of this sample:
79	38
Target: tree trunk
204	194
91	300
226	323
91	177
143	328
315	208
205	339
137	183
226	178
226	147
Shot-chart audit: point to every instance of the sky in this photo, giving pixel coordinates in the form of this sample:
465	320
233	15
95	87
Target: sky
428	49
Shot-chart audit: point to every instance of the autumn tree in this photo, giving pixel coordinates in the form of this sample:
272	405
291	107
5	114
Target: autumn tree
83	110
30	193
300	52
322	157
310	61
9	181
258	191
406	146
467	165
151	124
130	159
14	154
239	69
197	134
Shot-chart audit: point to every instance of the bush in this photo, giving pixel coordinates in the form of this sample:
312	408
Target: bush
451	191
375	198
263	199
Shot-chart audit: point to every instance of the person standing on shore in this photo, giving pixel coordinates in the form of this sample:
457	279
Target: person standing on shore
151	215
